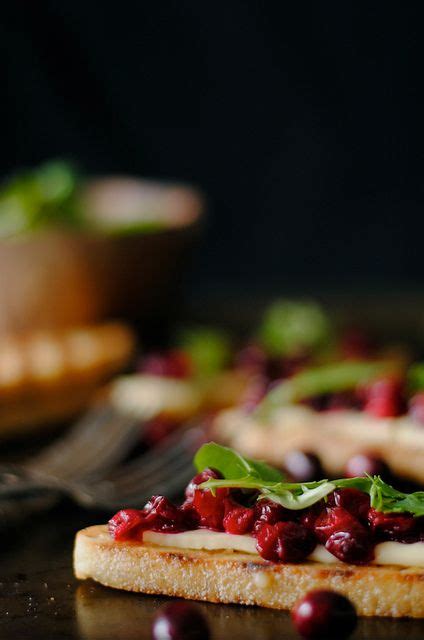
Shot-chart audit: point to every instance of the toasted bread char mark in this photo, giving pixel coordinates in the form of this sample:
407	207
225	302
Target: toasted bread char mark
235	578
333	436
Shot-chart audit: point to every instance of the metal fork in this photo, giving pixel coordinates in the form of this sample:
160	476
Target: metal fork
96	443
165	470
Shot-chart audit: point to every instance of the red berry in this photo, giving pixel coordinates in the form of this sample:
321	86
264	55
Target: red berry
204	476
355	501
125	524
270	512
392	526
302	466
332	520
365	463
174	364
324	614
384	398
353	546
239	520
180	621
284	542
161	515
309	516
416	407
210	508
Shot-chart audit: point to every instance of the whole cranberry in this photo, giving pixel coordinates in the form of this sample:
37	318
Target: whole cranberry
366	463
353	546
302	466
355	501
180	621
308	517
271	512
204	476
239	520
324	614
125	524
384	398
161	515
392	526
416	407
284	542
332	520
210	508
174	364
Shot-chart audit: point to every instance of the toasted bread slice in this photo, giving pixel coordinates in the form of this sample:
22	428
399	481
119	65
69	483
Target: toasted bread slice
333	436
233	577
48	376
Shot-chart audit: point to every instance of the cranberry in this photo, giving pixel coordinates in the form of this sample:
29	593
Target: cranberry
308	517
324	614
284	542
352	546
366	463
416	407
210	508
302	466
355	501
125	524
204	476
175	364
384	398
180	621
239	520
332	520
161	515
392	526
267	511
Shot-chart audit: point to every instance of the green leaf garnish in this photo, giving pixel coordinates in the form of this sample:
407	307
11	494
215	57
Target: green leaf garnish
243	473
209	349
329	378
291	327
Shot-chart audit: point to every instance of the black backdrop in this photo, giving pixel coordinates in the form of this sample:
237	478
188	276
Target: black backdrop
302	121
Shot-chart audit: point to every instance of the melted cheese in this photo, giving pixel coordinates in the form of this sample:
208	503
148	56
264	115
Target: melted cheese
386	553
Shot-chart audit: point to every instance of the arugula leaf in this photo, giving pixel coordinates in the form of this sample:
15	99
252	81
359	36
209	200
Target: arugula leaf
232	465
415	377
289	327
209	349
243	473
329	378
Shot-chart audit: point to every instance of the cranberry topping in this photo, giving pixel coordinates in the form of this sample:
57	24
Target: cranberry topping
366	463
180	621
335	519
308	517
302	466
384	398
355	501
353	546
239	520
175	364
324	614
284	542
416	407
210	508
392	526
125	524
204	476
267	511
161	515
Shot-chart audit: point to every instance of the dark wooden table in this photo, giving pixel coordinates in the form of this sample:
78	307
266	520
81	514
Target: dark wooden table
40	598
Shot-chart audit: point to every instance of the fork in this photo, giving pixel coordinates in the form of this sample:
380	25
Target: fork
97	442
164	470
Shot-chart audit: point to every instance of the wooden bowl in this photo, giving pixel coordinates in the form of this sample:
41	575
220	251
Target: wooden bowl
52	279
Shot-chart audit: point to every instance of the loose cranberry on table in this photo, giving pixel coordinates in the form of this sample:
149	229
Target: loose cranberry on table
284	542
416	407
180	621
384	398
366	463
174	364
324	614
302	466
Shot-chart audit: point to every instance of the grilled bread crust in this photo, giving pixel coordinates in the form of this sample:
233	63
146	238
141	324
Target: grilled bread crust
333	436
47	376
232	577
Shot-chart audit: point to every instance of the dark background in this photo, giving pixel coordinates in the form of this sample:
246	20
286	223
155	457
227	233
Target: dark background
303	122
